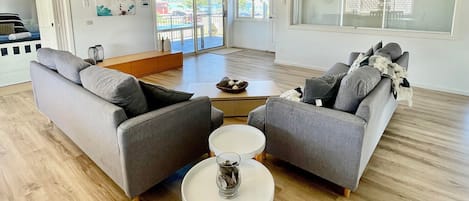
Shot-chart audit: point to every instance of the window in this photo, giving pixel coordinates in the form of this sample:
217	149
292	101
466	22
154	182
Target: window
416	15
254	9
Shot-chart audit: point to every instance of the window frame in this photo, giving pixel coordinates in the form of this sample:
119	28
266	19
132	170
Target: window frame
369	30
265	11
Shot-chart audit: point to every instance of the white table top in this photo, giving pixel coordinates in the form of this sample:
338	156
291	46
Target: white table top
199	184
245	140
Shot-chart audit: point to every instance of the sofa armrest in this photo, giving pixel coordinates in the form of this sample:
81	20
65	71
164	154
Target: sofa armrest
352	57
377	110
256	118
323	141
156	144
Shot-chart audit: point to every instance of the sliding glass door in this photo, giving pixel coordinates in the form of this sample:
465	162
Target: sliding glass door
178	21
210	23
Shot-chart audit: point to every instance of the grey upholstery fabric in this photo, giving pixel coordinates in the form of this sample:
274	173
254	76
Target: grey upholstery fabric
256	118
69	65
354	88
392	49
90	61
338	68
370	52
158	96
135	153
216	118
116	87
324	88
332	144
89	121
403	60
378	46
352	57
156	144
323	141
46	56
376	109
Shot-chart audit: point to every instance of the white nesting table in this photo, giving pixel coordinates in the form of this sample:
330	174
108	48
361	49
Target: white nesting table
247	141
199	184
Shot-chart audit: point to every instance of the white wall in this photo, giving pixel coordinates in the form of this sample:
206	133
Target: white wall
251	34
440	64
119	35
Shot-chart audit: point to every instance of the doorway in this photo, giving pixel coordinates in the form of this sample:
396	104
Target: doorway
191	25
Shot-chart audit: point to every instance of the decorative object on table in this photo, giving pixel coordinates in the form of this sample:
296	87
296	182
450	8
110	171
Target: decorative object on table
232	86
160	44
228	177
96	52
115	7
167	45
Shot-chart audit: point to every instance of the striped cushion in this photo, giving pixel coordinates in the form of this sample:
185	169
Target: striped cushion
6	29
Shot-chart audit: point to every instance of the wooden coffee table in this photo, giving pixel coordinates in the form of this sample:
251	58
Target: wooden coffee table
237	105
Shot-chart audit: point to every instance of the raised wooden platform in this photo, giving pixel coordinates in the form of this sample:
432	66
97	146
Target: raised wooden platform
237	105
145	63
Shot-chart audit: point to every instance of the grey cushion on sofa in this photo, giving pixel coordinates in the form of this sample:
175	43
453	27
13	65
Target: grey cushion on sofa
354	87
377	46
69	65
392	49
338	68
256	118
158	96
216	118
116	87
324	88
46	56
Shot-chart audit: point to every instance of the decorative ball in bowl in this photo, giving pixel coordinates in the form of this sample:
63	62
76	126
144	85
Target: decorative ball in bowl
232	86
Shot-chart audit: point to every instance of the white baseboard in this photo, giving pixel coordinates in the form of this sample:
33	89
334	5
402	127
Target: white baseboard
442	89
420	85
288	63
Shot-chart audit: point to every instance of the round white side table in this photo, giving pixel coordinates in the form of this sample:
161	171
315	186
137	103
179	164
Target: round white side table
199	184
247	141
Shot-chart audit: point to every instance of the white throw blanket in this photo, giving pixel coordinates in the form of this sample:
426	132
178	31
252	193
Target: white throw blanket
398	75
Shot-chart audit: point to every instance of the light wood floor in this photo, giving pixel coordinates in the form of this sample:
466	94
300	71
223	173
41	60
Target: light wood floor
423	154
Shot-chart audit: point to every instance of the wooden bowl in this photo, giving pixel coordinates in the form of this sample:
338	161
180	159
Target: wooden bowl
227	89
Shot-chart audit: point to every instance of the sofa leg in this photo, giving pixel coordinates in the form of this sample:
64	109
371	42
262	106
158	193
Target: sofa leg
347	192
136	198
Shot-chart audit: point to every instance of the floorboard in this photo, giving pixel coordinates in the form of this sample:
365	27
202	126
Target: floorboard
423	154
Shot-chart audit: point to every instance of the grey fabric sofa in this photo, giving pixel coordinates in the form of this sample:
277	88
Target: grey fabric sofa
332	144
136	153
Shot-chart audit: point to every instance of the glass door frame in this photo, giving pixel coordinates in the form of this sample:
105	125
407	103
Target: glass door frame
195	34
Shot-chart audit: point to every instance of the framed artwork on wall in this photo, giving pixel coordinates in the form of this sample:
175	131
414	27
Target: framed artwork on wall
115	7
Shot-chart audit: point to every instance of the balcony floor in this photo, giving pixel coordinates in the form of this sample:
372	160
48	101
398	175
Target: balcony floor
187	46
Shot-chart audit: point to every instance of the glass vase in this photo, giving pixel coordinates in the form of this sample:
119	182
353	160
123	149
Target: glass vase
228	177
